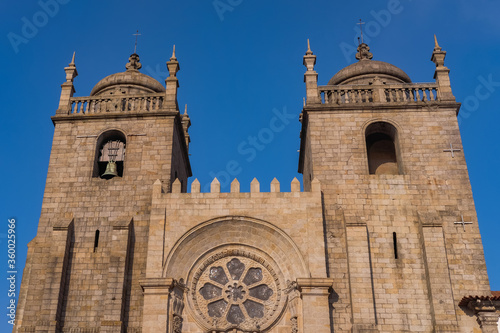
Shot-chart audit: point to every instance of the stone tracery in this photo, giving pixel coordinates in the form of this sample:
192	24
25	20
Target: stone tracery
236	290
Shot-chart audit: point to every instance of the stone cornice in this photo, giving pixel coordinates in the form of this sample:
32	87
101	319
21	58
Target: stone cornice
384	107
100	116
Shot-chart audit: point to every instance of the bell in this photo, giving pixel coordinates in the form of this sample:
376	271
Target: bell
110	171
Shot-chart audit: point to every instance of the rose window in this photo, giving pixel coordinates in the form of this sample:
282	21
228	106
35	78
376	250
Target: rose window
236	292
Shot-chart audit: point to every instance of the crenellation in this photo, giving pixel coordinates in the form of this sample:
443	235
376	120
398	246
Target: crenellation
275	185
176	186
215	186
195	186
235	186
295	186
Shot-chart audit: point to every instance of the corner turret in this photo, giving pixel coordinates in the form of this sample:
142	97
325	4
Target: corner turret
172	83
311	77
442	73
67	88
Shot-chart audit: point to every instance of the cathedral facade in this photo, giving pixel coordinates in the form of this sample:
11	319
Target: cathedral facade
383	238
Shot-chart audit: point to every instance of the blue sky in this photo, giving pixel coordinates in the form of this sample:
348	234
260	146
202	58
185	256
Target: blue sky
241	63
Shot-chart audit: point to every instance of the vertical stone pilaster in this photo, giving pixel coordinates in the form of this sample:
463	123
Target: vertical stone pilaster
360	277
155	252
315	305
156	304
435	260
49	319
21	305
115	302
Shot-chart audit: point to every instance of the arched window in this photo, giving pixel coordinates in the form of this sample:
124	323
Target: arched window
110	155
382	149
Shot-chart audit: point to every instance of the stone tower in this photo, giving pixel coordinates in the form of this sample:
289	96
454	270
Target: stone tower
384	237
402	239
83	268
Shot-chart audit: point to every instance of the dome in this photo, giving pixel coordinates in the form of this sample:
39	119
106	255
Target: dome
131	81
365	70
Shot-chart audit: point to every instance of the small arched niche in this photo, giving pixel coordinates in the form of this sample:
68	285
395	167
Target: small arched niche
110	149
382	147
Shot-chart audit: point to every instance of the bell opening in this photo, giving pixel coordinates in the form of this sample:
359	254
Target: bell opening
110	155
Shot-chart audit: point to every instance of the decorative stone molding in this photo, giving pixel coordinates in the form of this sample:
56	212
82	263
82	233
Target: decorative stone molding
315	285
488	321
156	286
292	290
295	325
486	309
315	293
175	290
177	324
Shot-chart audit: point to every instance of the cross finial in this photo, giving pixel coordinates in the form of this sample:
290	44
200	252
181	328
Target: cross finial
137	34
361	29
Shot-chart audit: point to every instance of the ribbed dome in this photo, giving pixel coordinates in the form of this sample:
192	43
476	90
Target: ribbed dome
366	69
131	81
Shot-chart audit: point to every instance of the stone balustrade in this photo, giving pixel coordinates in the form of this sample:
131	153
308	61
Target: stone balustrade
395	93
129	103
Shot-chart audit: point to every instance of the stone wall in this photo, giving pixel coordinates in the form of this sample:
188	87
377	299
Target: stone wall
438	261
72	284
283	230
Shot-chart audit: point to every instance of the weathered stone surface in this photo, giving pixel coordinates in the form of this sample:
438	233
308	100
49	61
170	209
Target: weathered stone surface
353	252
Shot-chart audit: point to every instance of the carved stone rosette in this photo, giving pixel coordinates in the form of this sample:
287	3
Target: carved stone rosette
236	289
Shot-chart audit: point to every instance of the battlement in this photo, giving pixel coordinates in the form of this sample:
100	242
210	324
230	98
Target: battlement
235	187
